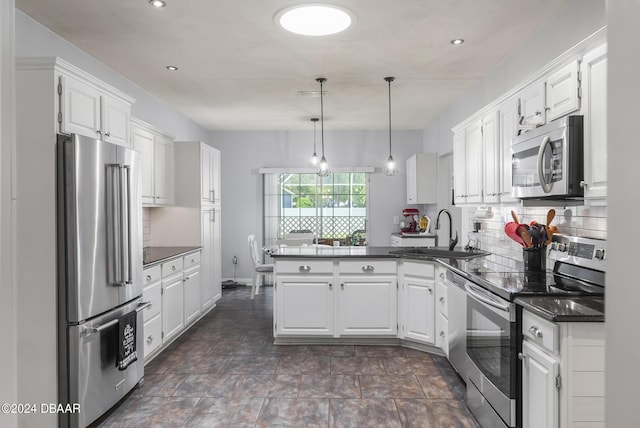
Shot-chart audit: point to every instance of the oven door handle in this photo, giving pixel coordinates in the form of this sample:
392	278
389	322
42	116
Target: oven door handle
546	187
481	296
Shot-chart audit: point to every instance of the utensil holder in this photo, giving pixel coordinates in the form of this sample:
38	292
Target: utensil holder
535	259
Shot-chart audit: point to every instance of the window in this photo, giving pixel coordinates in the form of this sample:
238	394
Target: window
333	207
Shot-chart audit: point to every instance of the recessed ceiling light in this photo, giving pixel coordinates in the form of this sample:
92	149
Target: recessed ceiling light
457	41
314	19
158	3
172	67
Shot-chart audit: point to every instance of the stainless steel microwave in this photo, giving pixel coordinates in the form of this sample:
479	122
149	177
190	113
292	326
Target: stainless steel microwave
547	162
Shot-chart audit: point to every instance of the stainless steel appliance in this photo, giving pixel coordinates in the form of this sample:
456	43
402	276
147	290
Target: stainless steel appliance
457	296
99	275
547	162
493	323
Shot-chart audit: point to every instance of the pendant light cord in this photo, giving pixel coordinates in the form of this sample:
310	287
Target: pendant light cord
321	80
389	80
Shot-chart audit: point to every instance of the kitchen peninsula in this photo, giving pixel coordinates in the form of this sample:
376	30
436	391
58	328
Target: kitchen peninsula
372	295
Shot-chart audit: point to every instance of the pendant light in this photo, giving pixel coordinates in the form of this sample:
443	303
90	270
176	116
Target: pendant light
323	168
314	156
390	168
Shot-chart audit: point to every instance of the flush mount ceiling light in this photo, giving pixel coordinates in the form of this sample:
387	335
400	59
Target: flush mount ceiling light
172	68
158	3
315	19
457	41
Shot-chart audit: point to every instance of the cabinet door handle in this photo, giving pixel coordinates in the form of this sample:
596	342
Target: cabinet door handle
149	277
107	134
521	356
535	331
150	338
342	285
304	268
442	300
442	334
173	267
99	132
330	285
442	275
430	290
367	268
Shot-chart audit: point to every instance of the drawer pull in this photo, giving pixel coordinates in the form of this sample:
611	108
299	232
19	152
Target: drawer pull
149	277
442	275
367	268
173	267
304	268
442	334
442	300
430	290
535	331
150	338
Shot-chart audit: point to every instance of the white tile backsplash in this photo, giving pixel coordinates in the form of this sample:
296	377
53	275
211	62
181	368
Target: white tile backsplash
146	226
586	221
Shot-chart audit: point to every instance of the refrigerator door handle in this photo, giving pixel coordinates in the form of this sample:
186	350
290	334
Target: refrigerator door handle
102	327
125	223
114	209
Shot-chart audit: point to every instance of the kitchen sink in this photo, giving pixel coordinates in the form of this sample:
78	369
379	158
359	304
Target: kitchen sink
440	253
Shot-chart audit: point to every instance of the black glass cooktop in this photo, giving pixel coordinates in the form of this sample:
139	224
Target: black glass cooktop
562	281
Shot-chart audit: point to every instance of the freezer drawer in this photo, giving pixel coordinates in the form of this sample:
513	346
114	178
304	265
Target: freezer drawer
93	379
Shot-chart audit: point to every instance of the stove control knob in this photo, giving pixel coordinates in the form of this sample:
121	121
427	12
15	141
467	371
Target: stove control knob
554	245
599	254
562	246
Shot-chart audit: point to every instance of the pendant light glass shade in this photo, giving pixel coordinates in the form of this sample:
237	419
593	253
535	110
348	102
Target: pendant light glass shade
390	167
314	156
323	169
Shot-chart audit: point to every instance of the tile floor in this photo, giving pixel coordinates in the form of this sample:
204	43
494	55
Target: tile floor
226	372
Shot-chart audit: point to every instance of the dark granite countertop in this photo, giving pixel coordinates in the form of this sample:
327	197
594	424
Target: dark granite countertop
565	309
414	235
153	255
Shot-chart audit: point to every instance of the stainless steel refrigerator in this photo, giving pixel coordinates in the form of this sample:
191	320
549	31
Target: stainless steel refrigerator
99	217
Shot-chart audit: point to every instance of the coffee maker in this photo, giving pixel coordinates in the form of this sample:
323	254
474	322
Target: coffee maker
410	223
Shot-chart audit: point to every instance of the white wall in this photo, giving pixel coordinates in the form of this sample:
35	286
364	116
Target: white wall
623	290
8	316
35	40
244	152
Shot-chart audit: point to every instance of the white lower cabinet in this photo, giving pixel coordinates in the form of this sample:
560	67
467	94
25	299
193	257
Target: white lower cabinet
442	311
562	373
192	295
304	306
335	299
368	306
173	290
172	306
418	312
539	391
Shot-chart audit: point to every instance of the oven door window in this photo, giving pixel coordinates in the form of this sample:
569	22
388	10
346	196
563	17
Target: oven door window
491	345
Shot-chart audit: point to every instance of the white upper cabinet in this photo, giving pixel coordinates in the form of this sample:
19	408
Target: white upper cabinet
422	179
467	164
532	106
508	112
157	163
210	175
594	110
88	110
563	91
491	157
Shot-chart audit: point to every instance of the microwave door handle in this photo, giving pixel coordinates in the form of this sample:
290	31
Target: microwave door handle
546	187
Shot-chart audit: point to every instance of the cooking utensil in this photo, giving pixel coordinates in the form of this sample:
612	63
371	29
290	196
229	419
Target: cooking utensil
515	216
523	231
511	230
550	215
551	230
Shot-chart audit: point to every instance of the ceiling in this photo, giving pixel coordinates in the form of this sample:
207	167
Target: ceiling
239	71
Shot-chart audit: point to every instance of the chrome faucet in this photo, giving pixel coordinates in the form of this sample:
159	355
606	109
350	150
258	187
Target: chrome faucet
452	241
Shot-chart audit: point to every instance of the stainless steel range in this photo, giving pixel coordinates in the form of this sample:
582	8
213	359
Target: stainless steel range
493	338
